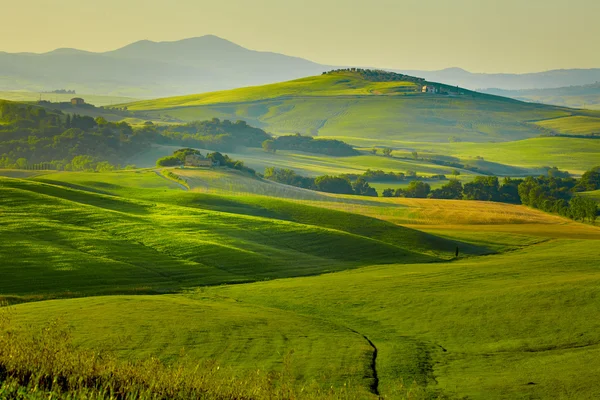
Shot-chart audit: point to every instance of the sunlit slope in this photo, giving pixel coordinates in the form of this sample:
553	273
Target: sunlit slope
341	84
577	125
503	326
236	193
345	104
81	241
238	337
500	327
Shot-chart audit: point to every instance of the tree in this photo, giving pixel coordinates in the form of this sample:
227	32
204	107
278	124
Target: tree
373	151
21	163
101	121
556	173
451	190
361	187
183	153
104	166
509	191
583	208
484	188
334	184
269	146
415	155
219	158
169	161
388	192
417	190
82	163
590	180
387	152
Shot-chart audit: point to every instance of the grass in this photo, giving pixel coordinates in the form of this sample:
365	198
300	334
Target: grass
578	125
341	84
45	363
513	317
97	100
346	105
481	328
571	154
83	241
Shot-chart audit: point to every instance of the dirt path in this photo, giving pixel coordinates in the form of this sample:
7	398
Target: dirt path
170	180
375	385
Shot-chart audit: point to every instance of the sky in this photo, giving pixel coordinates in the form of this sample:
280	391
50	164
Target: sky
478	35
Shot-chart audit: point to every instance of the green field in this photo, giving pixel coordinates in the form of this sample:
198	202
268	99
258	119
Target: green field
578	125
97	100
255	277
344	104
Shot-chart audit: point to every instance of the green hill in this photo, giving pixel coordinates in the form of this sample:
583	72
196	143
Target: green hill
97	234
350	104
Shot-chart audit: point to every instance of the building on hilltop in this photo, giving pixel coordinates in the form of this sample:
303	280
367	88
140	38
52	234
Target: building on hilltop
77	101
429	89
195	160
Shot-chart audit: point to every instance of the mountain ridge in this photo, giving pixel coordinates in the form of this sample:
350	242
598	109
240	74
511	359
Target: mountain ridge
150	69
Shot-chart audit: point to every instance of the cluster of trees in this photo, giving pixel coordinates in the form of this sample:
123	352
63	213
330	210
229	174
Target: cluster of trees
42	133
381	176
558	195
482	188
223	160
62	91
309	144
589	181
32	135
377	75
325	183
214	134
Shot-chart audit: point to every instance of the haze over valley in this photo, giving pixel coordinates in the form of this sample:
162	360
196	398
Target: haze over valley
351	215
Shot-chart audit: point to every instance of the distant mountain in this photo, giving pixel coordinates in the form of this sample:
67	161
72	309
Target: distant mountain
586	96
148	69
538	80
151	69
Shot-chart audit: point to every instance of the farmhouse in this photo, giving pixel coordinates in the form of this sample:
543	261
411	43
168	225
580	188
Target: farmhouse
77	101
429	89
194	160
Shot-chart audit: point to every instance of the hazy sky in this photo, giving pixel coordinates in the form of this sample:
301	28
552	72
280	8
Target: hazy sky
478	35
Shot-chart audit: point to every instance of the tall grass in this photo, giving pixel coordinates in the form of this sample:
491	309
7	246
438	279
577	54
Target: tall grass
43	363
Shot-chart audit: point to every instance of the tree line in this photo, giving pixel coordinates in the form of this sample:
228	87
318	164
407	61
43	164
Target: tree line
31	135
35	134
377	75
555	193
325	183
297	142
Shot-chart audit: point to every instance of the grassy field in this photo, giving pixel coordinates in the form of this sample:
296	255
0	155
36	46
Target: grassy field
96	100
367	296
578	125
347	105
571	154
84	224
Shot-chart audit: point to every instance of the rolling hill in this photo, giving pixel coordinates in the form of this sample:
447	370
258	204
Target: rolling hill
370	302
136	231
346	103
